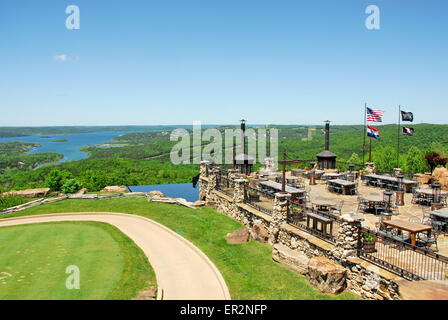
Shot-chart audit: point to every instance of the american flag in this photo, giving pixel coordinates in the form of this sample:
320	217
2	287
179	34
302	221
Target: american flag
374	115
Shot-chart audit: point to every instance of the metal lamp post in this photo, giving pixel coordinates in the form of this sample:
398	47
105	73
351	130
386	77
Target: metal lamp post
351	169
312	173
399	200
435	205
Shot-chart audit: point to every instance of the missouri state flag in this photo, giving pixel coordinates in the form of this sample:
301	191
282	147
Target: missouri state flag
373	132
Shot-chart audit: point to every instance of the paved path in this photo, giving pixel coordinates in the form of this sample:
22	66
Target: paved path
182	270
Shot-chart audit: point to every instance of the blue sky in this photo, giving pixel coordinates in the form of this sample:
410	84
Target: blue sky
216	61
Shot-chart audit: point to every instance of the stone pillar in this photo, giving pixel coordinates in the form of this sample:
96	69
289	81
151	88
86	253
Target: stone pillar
397	171
348	238
203	171
370	167
279	215
232	175
238	191
211	184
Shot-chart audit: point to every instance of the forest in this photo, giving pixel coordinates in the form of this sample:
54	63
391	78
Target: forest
143	158
12	156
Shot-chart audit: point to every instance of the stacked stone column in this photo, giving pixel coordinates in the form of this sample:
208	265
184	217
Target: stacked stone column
279	215
238	190
203	185
348	238
211	184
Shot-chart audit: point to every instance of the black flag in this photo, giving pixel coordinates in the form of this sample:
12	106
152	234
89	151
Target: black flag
408	131
407	116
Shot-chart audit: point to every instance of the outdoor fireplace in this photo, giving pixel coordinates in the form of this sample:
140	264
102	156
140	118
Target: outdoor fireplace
326	159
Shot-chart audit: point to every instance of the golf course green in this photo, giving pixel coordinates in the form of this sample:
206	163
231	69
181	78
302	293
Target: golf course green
35	257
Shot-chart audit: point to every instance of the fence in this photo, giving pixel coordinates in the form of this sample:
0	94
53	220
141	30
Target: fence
258	199
408	261
224	184
299	215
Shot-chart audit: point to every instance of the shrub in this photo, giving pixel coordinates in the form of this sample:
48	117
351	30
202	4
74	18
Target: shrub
70	186
56	179
11	201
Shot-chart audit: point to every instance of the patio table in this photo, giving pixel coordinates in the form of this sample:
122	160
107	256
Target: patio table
407	184
295	192
347	186
412	227
323	204
441	213
374	200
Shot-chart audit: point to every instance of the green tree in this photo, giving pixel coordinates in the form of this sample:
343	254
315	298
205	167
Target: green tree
385	159
93	180
415	161
354	158
56	179
70	186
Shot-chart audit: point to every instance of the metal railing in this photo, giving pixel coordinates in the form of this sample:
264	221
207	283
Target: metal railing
402	258
253	197
224	184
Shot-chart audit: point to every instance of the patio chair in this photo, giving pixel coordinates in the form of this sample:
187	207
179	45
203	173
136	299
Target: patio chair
394	209
337	189
439	226
414	219
362	204
338	207
380	184
380	209
427	242
426	213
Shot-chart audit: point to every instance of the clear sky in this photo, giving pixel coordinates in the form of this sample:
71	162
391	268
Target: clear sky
216	61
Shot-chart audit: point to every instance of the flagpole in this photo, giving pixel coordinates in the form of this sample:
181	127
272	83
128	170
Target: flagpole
398	136
365	133
370	150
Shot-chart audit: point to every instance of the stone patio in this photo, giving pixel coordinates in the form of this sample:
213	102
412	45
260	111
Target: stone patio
351	205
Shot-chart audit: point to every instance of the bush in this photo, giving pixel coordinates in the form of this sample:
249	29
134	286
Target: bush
70	186
11	201
56	179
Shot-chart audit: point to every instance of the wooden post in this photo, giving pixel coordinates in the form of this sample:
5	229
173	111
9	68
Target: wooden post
284	172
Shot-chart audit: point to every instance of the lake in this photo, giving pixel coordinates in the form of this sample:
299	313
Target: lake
71	148
175	190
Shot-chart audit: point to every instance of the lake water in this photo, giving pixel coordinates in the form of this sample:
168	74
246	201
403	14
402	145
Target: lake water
71	148
175	190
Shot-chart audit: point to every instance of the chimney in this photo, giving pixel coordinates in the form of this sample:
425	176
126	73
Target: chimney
243	138
327	135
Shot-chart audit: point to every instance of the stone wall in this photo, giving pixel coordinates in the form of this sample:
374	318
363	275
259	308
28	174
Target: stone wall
296	248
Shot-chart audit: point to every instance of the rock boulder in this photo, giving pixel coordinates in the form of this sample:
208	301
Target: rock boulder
326	275
29	193
422	178
199	203
114	189
260	233
294	260
441	176
238	236
156	193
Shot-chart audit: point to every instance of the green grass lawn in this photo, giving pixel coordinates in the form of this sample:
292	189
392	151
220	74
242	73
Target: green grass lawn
247	268
34	259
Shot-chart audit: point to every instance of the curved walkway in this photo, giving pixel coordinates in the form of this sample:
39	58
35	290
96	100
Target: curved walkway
182	270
